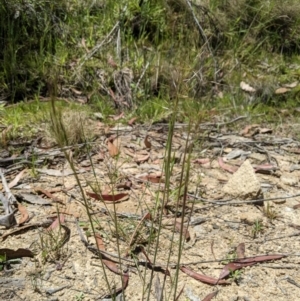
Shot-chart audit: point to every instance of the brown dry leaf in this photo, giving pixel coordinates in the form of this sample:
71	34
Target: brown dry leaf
203	278
233	266
111	265
120	197
112	149
246	87
141	158
201	161
281	90
132	120
262	258
153	178
292	85
147	142
179	294
263	168
24	214
241	263
210	296
12	254
117	117
265	131
15	181
250	130
240	250
229	168
48	194
58	221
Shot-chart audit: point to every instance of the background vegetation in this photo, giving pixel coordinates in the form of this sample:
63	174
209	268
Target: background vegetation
140	54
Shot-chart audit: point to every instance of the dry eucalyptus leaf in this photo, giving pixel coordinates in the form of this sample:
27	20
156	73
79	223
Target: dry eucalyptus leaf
281	90
132	120
120	197
147	142
24	214
246	87
15	181
112	149
292	85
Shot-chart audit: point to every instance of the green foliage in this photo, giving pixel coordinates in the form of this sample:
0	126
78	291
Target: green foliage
257	228
2	261
127	53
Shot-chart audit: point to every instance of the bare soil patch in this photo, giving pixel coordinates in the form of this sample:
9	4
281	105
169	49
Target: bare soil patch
259	207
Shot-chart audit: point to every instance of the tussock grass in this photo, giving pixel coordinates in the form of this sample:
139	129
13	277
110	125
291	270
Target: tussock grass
127	53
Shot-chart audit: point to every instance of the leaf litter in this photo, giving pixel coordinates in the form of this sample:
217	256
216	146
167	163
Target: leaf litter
137	172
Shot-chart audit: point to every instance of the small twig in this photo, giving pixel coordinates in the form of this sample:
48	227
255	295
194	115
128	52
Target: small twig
292	281
224	123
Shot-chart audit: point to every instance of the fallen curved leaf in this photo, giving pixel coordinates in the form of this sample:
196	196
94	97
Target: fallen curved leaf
58	221
247	130
233	266
49	195
281	90
109	264
112	149
241	263
24	214
15	181
210	296
147	142
132	120
109	197
203	278
262	258
246	87
201	161
263	168
142	158
229	168
153	178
